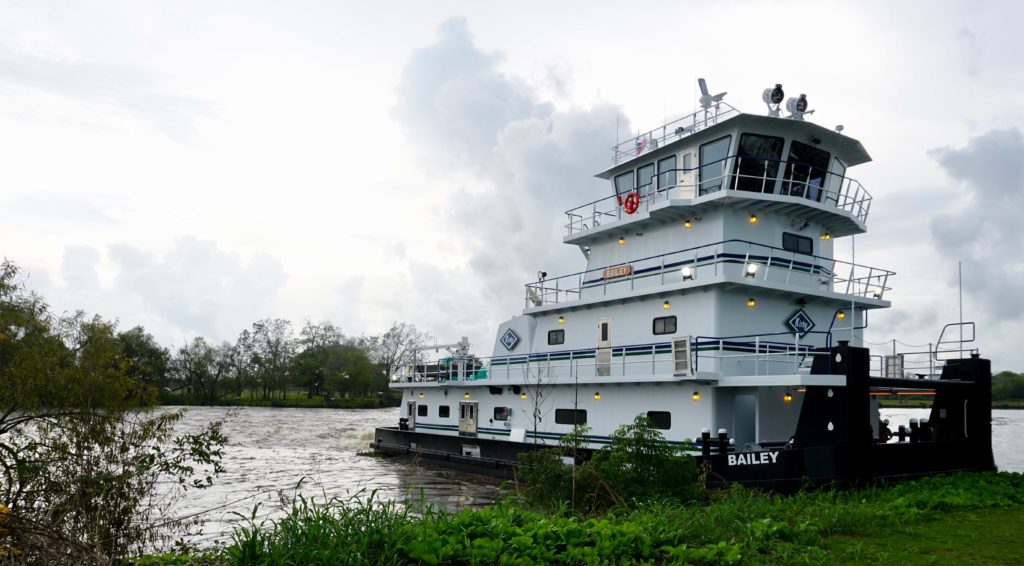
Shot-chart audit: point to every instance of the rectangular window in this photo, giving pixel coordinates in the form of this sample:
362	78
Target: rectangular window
624	183
570	416
643	179
712	164
667	172
444	411
661	420
805	171
421	410
665	325
502	413
556	337
798	244
687	161
835	180
604	331
462	411
757	163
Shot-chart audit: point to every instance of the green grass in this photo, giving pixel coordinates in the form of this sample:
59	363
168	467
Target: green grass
960	519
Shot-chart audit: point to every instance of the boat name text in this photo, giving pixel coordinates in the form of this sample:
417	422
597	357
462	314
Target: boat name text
617	271
753	458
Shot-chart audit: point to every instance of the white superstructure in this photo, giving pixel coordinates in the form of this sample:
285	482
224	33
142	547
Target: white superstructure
710	274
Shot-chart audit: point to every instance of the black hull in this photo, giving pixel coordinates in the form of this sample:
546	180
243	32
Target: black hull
833	444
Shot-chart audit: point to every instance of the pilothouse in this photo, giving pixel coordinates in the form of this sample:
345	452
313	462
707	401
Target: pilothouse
711	300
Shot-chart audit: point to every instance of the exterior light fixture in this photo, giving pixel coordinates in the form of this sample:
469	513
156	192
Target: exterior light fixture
666	305
622	240
826	236
421	394
750	270
840	315
561	319
597	396
465	395
752	219
751	303
686	272
877	294
522	395
687	223
788	397
696	395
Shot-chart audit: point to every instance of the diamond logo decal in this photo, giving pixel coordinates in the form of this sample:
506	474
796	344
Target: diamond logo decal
800	323
509	339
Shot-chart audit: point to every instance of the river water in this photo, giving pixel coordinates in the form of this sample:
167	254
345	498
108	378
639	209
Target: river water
270	450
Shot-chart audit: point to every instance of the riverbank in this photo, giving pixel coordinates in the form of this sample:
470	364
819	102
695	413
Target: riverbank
927	403
965	518
294	400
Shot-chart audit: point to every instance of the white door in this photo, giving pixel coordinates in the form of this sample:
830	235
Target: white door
687	177
604	347
467	418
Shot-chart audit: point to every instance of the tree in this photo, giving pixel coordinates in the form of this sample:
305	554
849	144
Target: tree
394	348
269	347
349	372
202	368
147	360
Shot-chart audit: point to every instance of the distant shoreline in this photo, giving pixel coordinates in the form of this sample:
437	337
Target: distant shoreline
316	402
927	403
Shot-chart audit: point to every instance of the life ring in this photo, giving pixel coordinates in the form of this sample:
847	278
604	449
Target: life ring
631	202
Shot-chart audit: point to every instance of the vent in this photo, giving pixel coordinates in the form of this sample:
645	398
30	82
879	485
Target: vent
682	356
894	366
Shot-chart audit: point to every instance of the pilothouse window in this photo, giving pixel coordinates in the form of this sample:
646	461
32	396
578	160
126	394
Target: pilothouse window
757	163
712	164
643	179
667	172
805	171
624	183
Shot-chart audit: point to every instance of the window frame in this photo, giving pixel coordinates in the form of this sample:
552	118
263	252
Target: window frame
670	177
655	423
798	238
505	413
631	184
664	329
422	410
444	411
559	332
743	179
572	419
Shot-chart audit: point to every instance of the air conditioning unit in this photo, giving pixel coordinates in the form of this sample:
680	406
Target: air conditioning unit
894	366
682	355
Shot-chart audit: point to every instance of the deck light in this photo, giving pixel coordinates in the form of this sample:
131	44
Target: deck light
666	305
421	394
751	303
877	294
465	395
752	219
687	223
840	315
826	236
696	395
522	395
597	396
750	270
686	272
622	240
561	320
788	397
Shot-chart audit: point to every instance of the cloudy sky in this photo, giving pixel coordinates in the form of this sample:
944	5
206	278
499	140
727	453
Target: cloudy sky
195	166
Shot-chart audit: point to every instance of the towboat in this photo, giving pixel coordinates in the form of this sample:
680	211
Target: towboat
712	301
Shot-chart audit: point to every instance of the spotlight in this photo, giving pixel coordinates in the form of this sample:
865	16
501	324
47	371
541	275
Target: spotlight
696	395
751	303
542	275
797	107
686	272
666	305
750	270
773	97
877	294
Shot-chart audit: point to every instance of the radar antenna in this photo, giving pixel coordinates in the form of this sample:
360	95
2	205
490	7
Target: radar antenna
707	100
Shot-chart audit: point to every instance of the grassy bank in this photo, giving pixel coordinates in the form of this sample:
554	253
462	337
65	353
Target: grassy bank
294	399
967	518
927	403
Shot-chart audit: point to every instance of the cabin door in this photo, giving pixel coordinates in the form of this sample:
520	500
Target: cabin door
410	413
604	347
467	418
745	420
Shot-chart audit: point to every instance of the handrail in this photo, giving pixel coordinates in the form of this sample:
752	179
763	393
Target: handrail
671	131
785	266
844	193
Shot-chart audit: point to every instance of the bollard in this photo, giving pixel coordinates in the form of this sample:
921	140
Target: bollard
705	442
915	431
924	431
902	433
723	441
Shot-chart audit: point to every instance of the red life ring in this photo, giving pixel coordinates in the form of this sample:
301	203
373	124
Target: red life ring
631	203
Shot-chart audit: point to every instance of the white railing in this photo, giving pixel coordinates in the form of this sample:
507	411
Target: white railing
840	192
737	259
672	131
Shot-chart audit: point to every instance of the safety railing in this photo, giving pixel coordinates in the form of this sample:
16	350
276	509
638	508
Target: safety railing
760	354
672	131
787	179
953	343
736	259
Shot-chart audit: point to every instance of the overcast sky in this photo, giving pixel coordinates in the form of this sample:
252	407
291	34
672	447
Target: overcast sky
195	166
